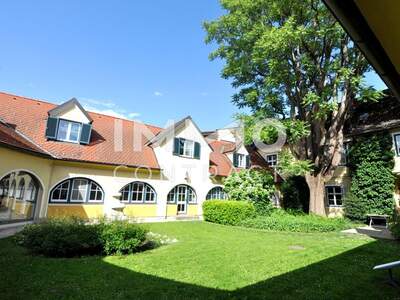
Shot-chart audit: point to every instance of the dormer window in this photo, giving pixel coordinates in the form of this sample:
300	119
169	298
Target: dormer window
69	122
69	131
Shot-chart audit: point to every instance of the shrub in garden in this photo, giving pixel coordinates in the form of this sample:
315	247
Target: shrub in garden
280	220
227	212
68	237
256	186
121	237
61	238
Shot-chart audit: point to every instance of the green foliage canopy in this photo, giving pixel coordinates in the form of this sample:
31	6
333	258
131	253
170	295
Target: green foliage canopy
291	60
251	185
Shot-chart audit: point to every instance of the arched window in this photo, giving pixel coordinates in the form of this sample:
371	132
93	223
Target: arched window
216	193
182	193
77	190
17	185
21	189
138	192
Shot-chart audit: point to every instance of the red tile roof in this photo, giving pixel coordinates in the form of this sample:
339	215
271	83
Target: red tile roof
24	127
29	117
11	138
220	164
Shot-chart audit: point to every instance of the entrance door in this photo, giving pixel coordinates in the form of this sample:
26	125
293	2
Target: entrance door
181	200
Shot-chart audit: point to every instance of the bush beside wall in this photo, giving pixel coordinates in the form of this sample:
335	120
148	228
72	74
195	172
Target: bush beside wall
70	237
283	221
227	212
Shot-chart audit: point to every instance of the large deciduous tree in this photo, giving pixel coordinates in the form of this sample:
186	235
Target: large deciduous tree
290	59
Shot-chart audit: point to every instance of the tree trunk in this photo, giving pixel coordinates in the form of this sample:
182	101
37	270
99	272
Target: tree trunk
316	184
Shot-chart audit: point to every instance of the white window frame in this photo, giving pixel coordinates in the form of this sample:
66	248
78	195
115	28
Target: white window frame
94	187
344	154
68	135
61	200
149	190
137	192
146	189
79	190
31	192
334	194
216	193
241	160
128	188
274	161
396	146
188	148
184	191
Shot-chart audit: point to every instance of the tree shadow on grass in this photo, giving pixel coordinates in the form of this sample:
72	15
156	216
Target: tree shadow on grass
345	276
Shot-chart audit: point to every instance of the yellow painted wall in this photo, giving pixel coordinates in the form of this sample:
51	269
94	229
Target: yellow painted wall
171	210
192	210
11	160
341	176
87	211
140	210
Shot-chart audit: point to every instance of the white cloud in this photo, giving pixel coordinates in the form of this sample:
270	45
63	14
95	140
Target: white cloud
105	103
107	107
158	94
133	115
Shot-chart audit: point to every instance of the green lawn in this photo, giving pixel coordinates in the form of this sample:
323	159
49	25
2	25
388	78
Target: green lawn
210	261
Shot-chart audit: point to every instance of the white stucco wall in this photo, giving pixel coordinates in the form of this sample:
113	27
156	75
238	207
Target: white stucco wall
74	114
176	168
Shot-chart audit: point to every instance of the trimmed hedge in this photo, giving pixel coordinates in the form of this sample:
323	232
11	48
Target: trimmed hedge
227	212
282	221
69	237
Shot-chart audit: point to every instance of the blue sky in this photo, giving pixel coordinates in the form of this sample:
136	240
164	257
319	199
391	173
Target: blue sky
142	59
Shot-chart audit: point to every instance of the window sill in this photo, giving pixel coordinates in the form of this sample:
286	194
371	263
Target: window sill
187	157
335	206
67	141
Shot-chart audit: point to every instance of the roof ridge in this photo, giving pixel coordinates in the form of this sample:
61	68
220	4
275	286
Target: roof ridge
89	111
